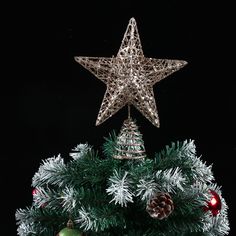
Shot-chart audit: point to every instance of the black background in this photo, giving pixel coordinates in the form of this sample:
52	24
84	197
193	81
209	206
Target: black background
50	102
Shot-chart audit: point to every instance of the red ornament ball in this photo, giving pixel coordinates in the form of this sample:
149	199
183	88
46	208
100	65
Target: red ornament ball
214	205
34	191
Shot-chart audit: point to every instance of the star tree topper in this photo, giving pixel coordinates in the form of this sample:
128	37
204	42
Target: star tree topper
130	77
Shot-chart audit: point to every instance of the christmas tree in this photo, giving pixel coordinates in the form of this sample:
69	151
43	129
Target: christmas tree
121	190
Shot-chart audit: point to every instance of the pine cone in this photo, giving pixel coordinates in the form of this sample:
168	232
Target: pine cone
160	206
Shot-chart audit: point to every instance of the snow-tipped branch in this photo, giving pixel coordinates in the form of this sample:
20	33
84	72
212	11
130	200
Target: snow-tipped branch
119	188
69	198
146	189
171	179
94	219
80	151
51	171
200	171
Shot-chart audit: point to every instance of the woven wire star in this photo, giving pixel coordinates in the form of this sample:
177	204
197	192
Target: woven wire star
130	77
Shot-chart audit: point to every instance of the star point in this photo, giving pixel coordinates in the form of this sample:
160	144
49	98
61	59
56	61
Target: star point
130	77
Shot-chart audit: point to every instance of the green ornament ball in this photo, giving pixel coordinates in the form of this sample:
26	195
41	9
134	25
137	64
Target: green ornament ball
69	232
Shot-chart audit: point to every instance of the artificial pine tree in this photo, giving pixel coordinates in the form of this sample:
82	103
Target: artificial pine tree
121	191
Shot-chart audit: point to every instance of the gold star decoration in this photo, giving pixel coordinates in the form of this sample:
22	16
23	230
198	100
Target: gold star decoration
130	77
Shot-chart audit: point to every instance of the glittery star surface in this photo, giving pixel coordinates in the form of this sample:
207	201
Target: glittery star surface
130	77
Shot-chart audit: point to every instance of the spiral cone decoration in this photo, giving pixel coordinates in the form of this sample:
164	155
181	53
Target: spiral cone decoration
129	144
